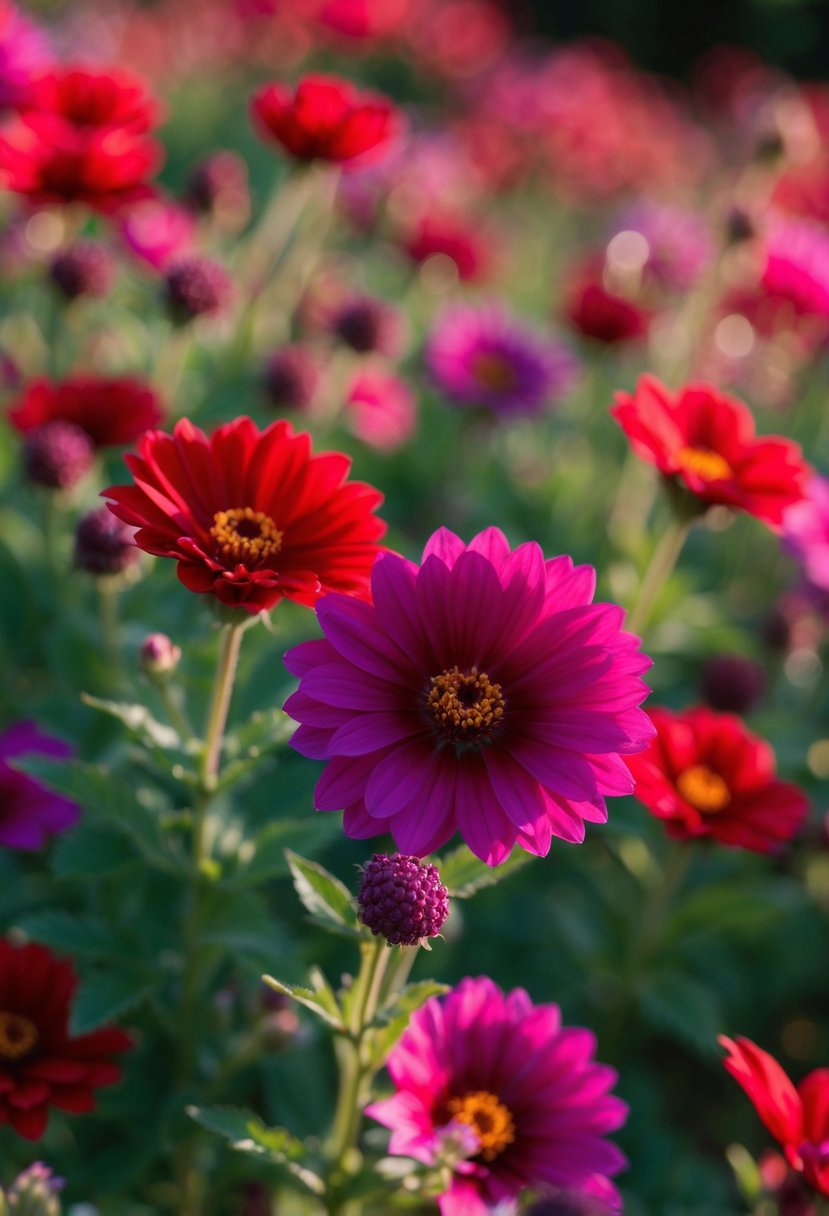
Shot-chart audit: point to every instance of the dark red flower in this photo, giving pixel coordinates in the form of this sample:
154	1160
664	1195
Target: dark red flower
84	139
457	238
326	119
599	313
41	1065
252	517
706	774
706	441
797	1117
110	411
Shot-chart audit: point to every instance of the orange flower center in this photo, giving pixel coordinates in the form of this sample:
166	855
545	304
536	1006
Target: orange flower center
245	535
704	789
490	1120
18	1035
494	371
467	706
707	464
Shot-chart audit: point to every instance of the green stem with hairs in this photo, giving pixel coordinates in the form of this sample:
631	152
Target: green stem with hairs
659	570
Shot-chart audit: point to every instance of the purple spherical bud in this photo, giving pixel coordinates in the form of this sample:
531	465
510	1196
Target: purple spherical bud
104	544
159	655
732	683
291	379
83	269
368	325
402	900
197	287
57	455
218	186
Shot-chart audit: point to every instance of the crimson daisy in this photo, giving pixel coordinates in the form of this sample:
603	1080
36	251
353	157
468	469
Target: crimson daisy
706	774
110	411
482	692
705	441
41	1064
499	1090
251	517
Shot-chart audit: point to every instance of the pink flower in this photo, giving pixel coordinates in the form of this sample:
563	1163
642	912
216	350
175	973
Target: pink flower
481	692
806	533
499	1090
381	409
155	230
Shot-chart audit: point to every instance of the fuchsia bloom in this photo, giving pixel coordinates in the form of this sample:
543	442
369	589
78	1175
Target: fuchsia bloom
29	812
481	356
481	692
499	1090
806	533
381	409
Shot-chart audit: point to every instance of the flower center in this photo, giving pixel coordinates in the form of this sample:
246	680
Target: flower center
490	1120
18	1035
494	372
708	465
245	535
704	789
467	706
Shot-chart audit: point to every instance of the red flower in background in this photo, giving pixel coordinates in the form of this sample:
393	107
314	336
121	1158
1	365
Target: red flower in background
83	139
706	774
706	440
41	1065
252	517
599	313
455	237
111	412
326	119
797	1117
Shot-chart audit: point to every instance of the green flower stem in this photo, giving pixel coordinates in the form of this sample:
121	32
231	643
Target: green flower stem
106	591
661	566
174	711
219	706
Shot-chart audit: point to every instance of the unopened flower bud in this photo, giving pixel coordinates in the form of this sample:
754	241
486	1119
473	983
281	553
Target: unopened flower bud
197	287
82	269
35	1193
57	455
402	900
291	379
104	544
159	655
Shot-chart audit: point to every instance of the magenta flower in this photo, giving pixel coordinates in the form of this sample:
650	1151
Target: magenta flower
481	356
482	692
498	1089
24	56
806	533
29	812
797	265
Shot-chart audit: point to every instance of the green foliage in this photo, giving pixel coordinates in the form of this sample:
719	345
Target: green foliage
463	874
326	898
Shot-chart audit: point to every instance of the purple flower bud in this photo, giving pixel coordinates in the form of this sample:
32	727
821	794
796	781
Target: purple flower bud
291	378
369	325
82	269
57	455
104	544
218	187
159	655
197	287
402	900
732	683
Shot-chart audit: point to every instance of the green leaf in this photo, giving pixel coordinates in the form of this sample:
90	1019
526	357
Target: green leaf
248	1134
462	873
319	999
325	897
254	741
71	934
241	923
394	1018
682	1008
91	852
267	852
103	997
734	908
138	720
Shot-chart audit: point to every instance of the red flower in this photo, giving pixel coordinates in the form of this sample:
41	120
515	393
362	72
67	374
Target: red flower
459	239
599	313
83	139
251	516
706	440
111	411
797	1117
40	1064
326	119
705	774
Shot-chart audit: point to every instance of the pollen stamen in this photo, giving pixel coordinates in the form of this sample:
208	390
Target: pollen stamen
707	464
467	706
244	535
491	1121
18	1035
706	790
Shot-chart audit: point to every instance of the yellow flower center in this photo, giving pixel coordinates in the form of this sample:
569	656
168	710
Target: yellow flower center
494	372
490	1120
18	1035
245	535
467	706
707	464
704	789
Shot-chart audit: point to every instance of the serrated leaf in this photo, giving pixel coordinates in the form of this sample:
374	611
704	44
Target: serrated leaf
103	997
138	720
462	873
682	1008
320	1001
324	896
248	1134
71	934
267	857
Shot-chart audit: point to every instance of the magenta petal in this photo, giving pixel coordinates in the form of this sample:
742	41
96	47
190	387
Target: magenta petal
346	687
398	777
353	630
462	1199
369	732
444	545
481	822
428	823
560	771
343	782
307	655
519	794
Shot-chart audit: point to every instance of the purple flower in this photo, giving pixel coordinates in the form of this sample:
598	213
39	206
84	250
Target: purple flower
673	246
806	533
29	812
480	355
24	55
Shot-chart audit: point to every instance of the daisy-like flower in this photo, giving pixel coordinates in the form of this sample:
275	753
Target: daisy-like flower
29	812
41	1064
705	441
252	517
326	119
706	774
796	268
797	1117
806	533
478	355
498	1089
110	412
481	692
